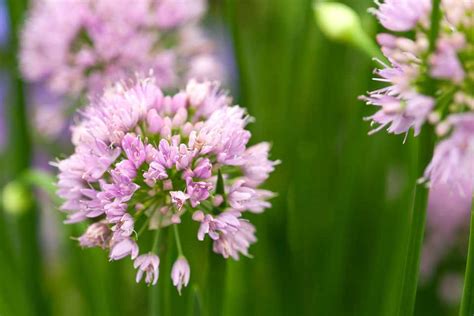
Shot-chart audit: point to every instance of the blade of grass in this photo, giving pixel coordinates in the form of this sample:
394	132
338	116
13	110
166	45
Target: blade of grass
215	285
20	149
467	301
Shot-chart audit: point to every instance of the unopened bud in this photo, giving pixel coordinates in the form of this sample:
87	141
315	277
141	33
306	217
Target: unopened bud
340	23
16	198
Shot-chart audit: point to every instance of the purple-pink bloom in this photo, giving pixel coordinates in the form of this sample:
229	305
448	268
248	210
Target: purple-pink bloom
223	134
241	197
124	226
180	273
147	264
453	158
104	41
123	248
134	149
236	243
400	114
231	234
198	191
97	235
445	63
226	222
142	159
402	15
447	219
257	167
172	13
155	172
178	198
203	169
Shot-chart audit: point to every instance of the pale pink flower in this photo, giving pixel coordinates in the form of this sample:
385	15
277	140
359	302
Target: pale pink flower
180	273
402	15
453	158
147	264
98	42
123	248
97	235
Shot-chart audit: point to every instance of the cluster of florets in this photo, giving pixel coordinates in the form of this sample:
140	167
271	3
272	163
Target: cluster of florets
433	85
102	41
143	160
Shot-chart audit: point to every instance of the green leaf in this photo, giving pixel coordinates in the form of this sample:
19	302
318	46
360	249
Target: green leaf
467	301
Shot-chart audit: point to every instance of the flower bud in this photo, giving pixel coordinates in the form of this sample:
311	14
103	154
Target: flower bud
337	21
16	198
340	23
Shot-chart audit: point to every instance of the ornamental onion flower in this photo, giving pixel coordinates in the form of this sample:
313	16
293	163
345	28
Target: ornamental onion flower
93	43
147	264
180	273
143	160
431	81
429	85
99	42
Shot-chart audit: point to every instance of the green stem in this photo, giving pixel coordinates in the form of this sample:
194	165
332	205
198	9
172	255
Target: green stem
215	285
156	240
178	240
148	220
467	302
154	298
417	229
435	24
43	180
418	214
363	42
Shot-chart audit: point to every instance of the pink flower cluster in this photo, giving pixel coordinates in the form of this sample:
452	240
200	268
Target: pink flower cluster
98	42
406	104
143	160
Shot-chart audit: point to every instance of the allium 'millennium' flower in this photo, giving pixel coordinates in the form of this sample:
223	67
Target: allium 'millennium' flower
406	103
180	273
432	85
143	160
78	46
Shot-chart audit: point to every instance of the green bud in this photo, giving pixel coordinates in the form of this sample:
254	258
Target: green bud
16	198
337	21
340	23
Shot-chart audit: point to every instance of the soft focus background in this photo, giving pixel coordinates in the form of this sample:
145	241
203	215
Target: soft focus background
332	244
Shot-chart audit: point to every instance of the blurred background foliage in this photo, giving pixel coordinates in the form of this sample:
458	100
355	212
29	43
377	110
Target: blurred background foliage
334	241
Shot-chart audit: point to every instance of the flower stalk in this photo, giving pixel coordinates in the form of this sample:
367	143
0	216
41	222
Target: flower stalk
178	240
420	203
417	229
467	301
216	285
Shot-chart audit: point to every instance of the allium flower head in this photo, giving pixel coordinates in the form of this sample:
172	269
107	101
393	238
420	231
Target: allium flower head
97	42
143	160
429	83
429	79
405	103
